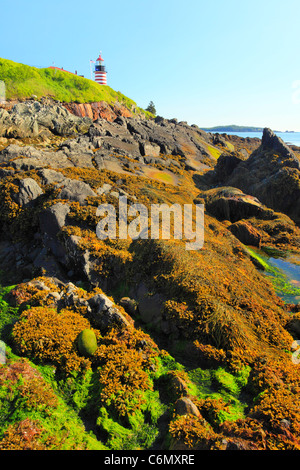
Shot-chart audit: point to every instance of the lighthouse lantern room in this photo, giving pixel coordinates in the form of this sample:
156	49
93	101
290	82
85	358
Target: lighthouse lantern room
100	73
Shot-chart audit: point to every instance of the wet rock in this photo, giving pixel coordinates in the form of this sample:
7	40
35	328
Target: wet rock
237	444
51	220
45	264
178	385
76	258
294	326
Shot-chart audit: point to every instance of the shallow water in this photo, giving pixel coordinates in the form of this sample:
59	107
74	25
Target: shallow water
284	272
290	267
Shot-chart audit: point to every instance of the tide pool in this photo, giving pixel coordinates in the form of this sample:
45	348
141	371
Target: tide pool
284	272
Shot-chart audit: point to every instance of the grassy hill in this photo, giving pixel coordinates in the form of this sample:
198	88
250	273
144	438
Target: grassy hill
23	81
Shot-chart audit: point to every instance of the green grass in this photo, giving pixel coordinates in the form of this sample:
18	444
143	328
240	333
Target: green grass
23	81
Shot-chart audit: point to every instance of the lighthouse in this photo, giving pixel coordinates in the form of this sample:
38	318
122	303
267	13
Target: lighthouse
100	73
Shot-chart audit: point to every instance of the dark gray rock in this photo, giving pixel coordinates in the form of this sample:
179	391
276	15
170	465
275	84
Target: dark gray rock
79	260
130	305
79	151
52	219
226	164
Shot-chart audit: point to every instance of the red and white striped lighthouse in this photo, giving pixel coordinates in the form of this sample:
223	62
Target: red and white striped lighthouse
100	73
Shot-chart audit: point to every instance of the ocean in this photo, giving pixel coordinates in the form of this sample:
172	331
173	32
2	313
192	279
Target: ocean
292	138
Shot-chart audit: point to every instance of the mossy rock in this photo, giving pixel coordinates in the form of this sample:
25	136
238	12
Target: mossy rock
87	342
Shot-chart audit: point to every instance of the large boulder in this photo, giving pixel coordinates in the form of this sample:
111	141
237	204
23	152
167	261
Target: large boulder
29	190
49	176
271	142
184	406
228	203
75	190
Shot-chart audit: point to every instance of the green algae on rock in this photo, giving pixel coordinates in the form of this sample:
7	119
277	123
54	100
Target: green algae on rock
87	342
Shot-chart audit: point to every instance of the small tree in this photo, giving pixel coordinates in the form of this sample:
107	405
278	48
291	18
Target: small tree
151	108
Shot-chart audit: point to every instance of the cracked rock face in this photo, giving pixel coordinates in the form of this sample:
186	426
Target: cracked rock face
33	118
157	149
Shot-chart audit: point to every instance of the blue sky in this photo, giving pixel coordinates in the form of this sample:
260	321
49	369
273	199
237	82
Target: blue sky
205	62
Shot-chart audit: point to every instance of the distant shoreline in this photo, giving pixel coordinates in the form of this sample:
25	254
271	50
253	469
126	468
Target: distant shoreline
234	128
290	138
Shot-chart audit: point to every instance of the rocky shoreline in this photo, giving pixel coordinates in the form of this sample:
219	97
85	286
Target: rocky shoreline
217	333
